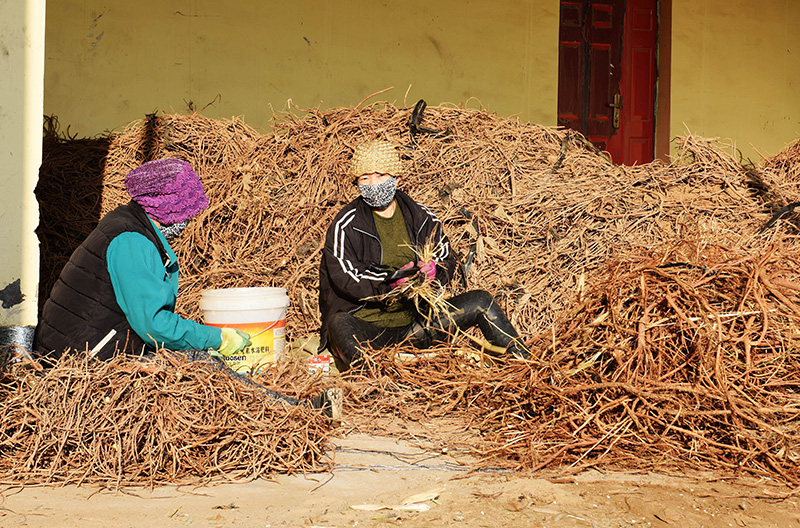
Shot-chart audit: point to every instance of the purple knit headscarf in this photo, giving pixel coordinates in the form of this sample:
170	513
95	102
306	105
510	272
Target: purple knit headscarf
167	189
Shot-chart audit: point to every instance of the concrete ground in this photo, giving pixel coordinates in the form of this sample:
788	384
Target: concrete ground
382	481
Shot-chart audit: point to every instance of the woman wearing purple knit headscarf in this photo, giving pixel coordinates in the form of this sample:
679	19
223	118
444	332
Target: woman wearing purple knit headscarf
118	291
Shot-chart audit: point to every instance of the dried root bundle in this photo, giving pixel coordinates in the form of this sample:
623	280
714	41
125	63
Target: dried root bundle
661	310
666	365
135	422
427	296
531	211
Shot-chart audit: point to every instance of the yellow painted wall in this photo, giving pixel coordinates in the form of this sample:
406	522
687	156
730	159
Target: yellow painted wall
736	72
108	63
735	63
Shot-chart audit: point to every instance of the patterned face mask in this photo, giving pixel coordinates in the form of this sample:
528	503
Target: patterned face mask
380	195
171	231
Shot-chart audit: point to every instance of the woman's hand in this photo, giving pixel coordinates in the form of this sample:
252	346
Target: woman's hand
233	341
428	269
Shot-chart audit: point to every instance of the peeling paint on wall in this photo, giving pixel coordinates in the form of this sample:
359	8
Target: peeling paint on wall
94	39
11	295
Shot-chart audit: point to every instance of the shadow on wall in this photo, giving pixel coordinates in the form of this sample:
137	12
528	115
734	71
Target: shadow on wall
69	192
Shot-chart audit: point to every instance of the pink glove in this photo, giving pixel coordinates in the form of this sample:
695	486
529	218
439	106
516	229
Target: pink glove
428	269
399	282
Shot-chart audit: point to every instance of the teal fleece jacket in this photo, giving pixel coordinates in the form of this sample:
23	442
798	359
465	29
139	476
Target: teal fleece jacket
147	290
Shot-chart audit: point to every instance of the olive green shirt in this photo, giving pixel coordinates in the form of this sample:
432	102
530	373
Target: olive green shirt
397	252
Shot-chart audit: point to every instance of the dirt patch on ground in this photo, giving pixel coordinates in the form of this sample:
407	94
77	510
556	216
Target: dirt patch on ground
379	473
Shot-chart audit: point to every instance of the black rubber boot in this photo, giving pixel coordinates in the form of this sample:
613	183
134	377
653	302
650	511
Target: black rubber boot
518	349
329	402
478	307
342	341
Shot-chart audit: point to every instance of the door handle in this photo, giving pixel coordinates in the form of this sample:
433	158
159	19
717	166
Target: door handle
616	106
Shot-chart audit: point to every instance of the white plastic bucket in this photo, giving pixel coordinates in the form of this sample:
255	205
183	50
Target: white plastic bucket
261	312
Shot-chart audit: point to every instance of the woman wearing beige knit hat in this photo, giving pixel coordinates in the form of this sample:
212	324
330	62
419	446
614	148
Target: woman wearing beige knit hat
371	248
375	167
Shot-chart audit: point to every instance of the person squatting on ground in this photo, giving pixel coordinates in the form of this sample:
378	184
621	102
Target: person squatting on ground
376	234
117	292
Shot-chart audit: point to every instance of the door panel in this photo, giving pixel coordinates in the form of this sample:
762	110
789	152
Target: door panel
570	59
635	142
641	104
569	96
600	91
607	54
590	50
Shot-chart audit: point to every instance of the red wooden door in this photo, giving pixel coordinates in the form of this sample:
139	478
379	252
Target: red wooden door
607	75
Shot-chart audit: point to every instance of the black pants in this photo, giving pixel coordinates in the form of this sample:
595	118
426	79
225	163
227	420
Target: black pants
348	334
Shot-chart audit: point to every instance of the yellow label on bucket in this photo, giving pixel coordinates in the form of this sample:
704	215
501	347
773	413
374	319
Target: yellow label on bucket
267	342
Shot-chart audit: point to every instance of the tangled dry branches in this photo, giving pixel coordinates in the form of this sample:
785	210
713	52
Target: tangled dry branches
661	311
164	420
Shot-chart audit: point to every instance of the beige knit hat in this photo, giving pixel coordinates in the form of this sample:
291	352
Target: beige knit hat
376	156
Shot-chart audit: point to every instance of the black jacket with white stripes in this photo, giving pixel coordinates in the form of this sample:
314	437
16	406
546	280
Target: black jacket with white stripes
352	245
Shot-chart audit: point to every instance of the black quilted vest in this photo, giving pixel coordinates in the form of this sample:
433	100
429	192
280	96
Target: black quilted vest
82	308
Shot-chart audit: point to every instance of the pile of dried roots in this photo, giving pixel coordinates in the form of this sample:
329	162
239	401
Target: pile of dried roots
661	366
149	422
531	210
659	299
